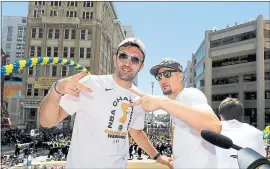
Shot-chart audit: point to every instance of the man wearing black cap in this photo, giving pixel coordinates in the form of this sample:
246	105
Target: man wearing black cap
103	118
190	114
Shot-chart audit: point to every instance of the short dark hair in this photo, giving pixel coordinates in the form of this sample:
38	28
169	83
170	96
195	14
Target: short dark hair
231	108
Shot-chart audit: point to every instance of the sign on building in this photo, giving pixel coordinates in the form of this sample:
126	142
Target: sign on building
12	89
44	82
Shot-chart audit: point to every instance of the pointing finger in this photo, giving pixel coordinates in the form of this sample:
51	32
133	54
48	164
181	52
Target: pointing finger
137	92
78	76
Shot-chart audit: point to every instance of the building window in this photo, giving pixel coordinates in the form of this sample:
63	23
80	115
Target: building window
234	60
38	13
19	46
88	4
250	77
8	54
65	52
45	92
225	80
81	52
88	52
20	33
266	55
221	97
267	94
8	46
82	34
49	51
250	95
266	75
50	33
9	34
71	53
53	13
55	51
56	33
30	71
233	39
86	15
73	33
266	33
91	15
47	70
39	2
32	51
29	90
9	38
200	70
55	3
38	51
54	70
40	33
34	32
18	54
72	3
64	71
66	33
71	14
89	35
35	92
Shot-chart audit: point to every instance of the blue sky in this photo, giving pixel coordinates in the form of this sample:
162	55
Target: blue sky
170	29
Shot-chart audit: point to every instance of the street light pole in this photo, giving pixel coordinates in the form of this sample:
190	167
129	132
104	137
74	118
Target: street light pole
152	85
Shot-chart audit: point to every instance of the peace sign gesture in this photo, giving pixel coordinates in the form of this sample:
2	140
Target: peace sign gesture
71	85
148	102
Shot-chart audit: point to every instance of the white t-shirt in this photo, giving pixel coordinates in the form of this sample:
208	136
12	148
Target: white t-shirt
243	135
100	132
190	150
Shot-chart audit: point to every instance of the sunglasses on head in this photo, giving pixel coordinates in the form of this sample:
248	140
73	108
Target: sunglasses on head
165	73
133	59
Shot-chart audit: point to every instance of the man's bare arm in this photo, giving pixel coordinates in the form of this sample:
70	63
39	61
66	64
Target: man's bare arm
50	111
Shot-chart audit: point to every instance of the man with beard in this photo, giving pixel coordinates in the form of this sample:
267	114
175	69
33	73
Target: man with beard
190	115
103	118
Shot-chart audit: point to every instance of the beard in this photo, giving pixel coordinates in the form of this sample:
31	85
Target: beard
129	76
168	92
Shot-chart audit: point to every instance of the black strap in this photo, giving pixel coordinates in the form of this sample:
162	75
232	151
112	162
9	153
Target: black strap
156	157
55	87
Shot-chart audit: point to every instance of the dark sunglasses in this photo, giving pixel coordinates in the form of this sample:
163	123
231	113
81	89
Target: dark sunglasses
133	59
165	73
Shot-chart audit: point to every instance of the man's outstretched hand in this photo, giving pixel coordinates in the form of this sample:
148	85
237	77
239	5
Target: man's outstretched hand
148	102
71	85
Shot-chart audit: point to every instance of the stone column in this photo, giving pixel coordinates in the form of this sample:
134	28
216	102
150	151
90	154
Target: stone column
38	123
193	71
208	70
241	92
260	74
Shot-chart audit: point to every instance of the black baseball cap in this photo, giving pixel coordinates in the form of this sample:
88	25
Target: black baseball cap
169	63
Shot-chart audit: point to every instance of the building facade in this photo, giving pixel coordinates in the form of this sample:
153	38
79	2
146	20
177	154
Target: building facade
13	43
188	82
13	37
235	62
83	31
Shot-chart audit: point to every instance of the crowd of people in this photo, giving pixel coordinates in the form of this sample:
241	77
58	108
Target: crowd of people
55	140
159	137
